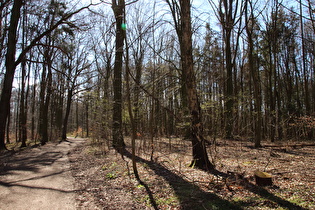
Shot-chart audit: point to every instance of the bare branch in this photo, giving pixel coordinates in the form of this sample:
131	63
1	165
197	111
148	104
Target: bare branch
48	31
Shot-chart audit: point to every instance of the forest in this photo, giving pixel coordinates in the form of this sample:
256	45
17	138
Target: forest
134	75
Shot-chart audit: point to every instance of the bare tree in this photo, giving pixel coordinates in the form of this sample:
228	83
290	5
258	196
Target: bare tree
118	7
182	19
76	65
250	26
12	62
10	69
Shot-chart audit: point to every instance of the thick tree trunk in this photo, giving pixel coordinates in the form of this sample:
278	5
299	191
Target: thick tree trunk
200	157
8	129
255	76
10	70
45	94
118	139
65	120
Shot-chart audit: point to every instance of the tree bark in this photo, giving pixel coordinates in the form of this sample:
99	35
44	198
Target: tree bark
200	157
250	21
23	109
10	70
67	114
23	100
227	21
118	7
45	93
132	121
138	67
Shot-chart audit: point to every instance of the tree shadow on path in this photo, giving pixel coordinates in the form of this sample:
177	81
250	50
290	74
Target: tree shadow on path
9	184
32	162
189	195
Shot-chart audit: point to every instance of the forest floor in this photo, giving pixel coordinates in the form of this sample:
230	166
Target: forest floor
79	174
106	181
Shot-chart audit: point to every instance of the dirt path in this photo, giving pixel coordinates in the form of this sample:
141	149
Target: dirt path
38	178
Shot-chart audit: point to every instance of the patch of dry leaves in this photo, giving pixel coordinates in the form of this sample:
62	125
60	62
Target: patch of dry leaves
105	180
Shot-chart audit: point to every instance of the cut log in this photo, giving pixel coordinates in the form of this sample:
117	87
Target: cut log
263	178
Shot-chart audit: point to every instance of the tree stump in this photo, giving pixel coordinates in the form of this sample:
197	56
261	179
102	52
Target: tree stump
263	178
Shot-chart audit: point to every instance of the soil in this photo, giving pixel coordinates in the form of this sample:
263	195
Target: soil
80	174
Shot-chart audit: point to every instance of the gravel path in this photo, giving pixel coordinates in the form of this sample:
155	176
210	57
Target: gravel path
38	178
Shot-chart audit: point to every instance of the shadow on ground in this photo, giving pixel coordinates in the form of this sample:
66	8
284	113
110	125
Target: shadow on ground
31	162
14	184
189	195
192	197
267	195
29	159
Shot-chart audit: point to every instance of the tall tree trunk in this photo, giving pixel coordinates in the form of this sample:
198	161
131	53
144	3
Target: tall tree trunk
311	9
137	90
23	110
33	107
87	109
227	21
304	59
59	108
10	70
118	7
45	95
229	101
200	157
250	21
152	108
273	63
23	103
8	128
132	121
67	114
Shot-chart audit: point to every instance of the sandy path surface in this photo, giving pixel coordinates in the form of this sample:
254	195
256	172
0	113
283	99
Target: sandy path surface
39	178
